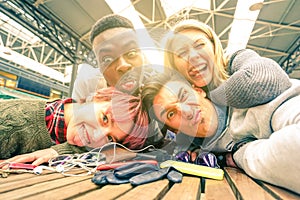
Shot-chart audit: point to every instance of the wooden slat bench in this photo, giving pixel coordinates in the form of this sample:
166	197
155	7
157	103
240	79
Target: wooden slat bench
235	185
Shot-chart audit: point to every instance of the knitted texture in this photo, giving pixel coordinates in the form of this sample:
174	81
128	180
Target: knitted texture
66	148
254	80
22	127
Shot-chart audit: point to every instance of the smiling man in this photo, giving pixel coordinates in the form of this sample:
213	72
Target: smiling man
30	125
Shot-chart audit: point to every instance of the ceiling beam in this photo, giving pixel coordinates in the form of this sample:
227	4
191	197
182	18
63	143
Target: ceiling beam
48	29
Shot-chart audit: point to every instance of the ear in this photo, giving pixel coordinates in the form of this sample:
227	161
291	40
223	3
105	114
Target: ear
200	91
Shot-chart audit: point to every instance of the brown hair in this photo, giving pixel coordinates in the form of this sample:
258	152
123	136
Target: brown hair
153	85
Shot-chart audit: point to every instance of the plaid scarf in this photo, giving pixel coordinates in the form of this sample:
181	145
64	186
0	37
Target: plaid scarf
55	120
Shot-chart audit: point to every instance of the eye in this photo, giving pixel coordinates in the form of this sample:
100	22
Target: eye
132	53
199	45
182	54
106	60
171	114
110	138
105	119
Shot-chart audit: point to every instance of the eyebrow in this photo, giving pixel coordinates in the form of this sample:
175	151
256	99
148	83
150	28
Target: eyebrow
130	44
181	91
178	97
183	48
163	112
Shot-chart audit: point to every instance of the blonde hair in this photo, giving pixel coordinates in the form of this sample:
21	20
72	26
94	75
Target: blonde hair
220	74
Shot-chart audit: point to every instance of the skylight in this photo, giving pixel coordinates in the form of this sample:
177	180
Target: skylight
242	25
28	63
14	28
173	6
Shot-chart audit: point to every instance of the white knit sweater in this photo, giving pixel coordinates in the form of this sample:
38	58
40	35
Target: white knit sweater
274	156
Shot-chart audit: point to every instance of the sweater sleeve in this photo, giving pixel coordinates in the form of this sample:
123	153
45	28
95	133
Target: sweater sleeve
254	80
274	160
66	148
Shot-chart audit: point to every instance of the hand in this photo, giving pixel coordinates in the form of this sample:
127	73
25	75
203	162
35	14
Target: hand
36	157
229	160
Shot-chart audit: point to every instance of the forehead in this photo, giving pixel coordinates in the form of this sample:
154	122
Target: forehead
113	36
188	36
169	92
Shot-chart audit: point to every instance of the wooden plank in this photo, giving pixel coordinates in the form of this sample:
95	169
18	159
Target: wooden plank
65	192
154	190
29	181
41	187
106	192
279	193
16	177
217	189
16	181
243	186
188	189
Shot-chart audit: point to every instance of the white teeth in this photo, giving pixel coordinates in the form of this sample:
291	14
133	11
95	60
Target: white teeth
200	68
196	71
129	84
83	136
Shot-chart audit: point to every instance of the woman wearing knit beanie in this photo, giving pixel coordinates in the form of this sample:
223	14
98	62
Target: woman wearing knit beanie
241	80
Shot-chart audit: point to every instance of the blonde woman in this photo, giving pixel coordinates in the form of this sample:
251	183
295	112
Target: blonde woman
194	50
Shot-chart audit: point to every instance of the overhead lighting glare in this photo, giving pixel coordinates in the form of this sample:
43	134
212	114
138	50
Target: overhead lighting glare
242	25
17	30
126	9
33	65
171	7
256	6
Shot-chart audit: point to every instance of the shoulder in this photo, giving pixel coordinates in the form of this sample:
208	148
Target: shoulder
241	55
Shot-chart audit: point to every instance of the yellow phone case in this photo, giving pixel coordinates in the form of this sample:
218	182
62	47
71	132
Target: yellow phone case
193	169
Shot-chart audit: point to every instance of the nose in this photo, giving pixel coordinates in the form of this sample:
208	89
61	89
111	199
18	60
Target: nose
187	112
99	134
123	65
193	54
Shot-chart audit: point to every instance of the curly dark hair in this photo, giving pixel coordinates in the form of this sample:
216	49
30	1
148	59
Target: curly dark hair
109	22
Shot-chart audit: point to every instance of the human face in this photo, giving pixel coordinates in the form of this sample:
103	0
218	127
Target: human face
117	51
193	56
183	109
93	125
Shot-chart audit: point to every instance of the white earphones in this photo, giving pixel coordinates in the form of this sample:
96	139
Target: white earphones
39	169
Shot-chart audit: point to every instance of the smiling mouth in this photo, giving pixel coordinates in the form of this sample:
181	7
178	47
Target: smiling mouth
84	136
129	85
196	71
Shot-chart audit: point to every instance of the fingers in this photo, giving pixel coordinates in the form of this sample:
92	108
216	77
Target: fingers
41	160
22	158
229	160
43	156
193	156
37	157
